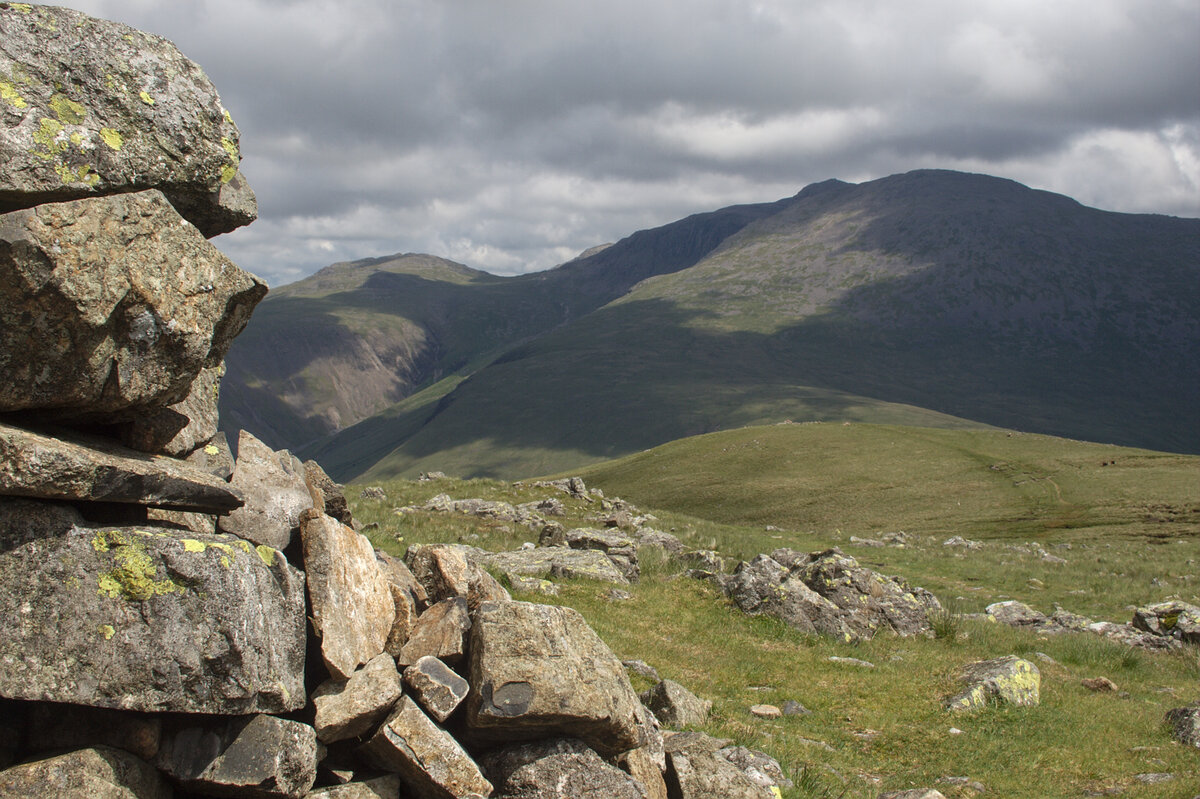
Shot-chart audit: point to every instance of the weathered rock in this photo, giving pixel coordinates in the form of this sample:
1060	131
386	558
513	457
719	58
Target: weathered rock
705	561
619	548
354	707
214	457
1173	619
765	711
642	668
1015	614
179	429
764	586
426	756
399	575
676	706
439	632
539	671
1099	685
97	107
558	563
275	492
657	539
1007	680
562	768
436	688
146	618
869	601
128	305
352	606
100	772
445	571
59	727
254	756
385	787
914	793
375	493
1185	725
698	769
639	764
327	496
760	767
94	470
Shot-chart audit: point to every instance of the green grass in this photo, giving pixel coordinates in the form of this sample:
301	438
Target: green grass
1128	524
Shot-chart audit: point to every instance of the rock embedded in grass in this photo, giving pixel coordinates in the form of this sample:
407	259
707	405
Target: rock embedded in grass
1007	680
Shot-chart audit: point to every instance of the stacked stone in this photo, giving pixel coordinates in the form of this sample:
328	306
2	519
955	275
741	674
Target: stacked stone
173	621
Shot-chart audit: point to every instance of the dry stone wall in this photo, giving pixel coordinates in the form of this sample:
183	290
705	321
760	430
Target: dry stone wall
177	623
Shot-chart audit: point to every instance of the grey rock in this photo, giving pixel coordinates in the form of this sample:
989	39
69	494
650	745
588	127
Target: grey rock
275	492
1015	614
429	760
146	618
436	688
648	538
642	668
698	769
1006	680
328	497
703	560
539	671
95	470
562	768
126	303
100	772
760	767
1172	619
765	586
793	708
619	547
352	606
869	601
676	706
446	571
914	793
439	632
214	457
374	493
352	708
557	563
862	664
385	787
179	429
1185	725
134	114
254	756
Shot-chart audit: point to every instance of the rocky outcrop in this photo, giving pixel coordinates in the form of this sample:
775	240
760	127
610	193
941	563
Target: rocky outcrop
829	593
1165	625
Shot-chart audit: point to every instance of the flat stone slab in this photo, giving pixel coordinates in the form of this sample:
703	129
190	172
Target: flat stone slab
557	563
146	618
92	470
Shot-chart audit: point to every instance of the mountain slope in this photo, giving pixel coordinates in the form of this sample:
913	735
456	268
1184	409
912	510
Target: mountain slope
964	295
348	342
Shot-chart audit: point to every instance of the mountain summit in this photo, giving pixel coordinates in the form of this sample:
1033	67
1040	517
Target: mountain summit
930	298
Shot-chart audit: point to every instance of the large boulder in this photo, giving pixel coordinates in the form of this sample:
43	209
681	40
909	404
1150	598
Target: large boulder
1171	619
869	601
100	772
93	470
352	606
146	618
765	586
110	307
179	429
445	571
699	767
95	107
539	671
676	706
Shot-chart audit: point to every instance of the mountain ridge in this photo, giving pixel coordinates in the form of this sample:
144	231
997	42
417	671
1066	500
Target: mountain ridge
932	297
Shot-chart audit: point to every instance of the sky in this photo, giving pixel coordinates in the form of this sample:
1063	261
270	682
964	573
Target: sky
510	135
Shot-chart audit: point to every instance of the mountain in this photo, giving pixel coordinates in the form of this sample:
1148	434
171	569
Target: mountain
932	298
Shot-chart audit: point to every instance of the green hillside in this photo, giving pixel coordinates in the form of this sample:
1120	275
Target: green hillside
1094	528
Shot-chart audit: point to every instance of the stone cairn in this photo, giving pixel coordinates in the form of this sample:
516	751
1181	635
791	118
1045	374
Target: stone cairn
175	622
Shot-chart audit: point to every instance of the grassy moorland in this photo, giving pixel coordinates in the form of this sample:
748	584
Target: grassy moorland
1127	523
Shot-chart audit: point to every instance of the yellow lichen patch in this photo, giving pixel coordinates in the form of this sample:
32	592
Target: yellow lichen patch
211	450
24	8
10	95
230	170
133	575
146	98
192	545
47	136
107	631
245	545
112	138
67	110
266	553
78	174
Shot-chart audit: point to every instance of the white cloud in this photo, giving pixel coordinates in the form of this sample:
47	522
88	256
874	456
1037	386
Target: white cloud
513	135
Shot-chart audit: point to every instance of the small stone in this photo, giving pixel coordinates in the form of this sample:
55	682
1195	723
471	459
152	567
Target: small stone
642	668
793	708
374	493
676	706
1154	778
1099	684
866	664
437	689
766	711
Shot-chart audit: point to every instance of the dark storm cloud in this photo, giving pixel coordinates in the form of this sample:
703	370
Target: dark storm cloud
512	135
